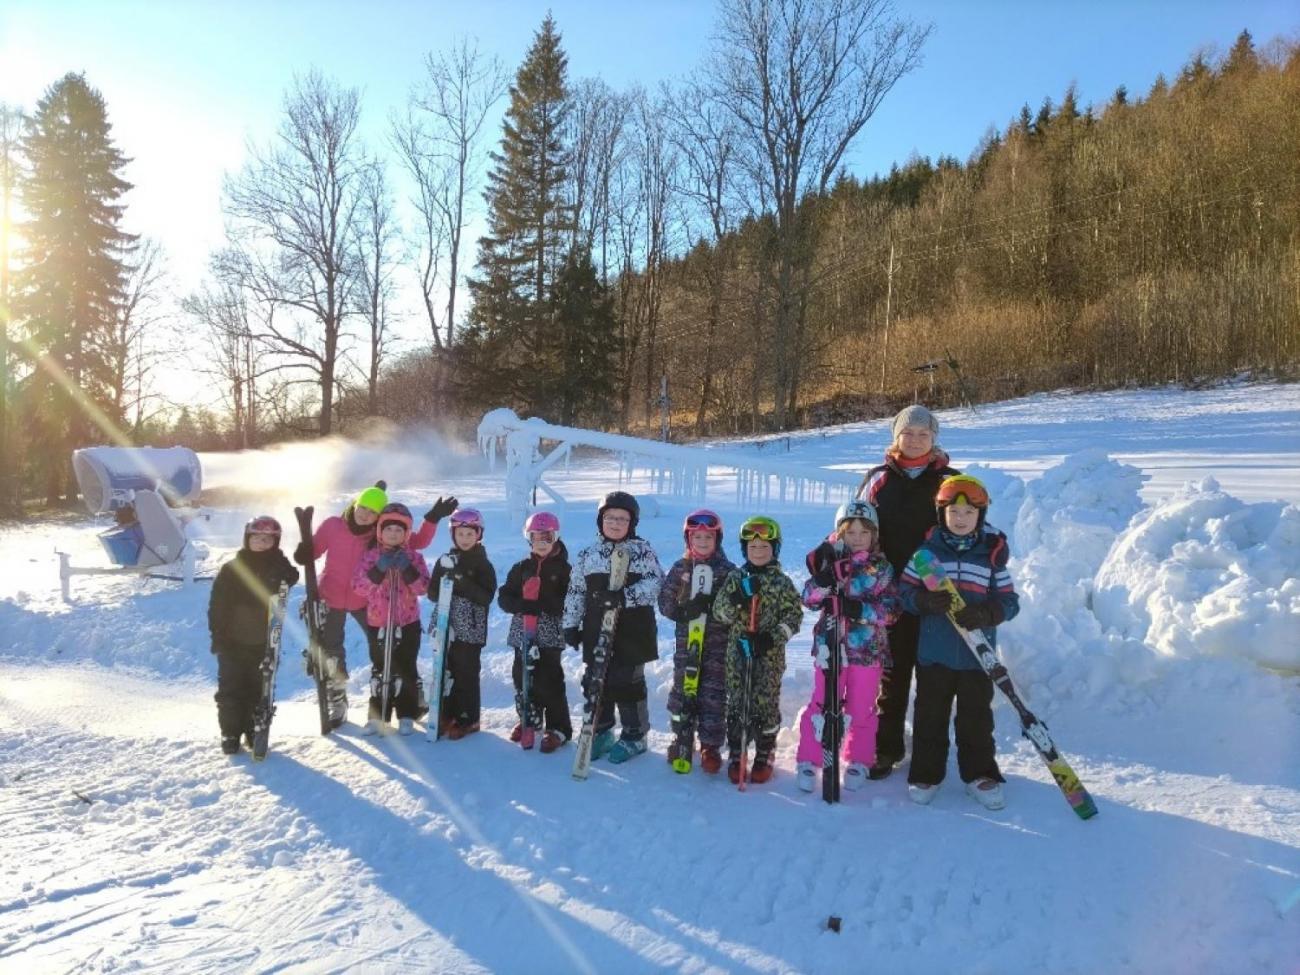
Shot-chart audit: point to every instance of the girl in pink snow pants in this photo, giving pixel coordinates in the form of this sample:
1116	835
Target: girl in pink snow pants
851	561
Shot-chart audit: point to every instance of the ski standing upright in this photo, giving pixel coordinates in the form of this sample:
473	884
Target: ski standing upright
440	629
619	560
387	692
747	647
830	723
686	723
265	709
532	590
932	575
320	667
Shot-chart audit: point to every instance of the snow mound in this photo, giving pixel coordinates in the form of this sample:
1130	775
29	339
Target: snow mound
1206	574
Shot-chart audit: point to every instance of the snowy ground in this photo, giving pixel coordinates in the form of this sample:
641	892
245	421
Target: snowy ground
1151	612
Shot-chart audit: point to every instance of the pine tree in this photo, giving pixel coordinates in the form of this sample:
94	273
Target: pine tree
529	220
73	272
586	331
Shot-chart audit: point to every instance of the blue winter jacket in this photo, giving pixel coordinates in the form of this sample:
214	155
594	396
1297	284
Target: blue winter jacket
981	575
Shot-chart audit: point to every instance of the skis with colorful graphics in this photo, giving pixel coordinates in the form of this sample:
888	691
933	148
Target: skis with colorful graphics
931	573
746	644
684	724
527	663
264	710
618	565
320	666
440	628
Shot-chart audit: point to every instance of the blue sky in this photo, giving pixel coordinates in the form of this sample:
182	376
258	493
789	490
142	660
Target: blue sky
188	82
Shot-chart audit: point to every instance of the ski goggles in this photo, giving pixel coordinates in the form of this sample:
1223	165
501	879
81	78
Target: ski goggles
542	537
964	488
703	521
763	529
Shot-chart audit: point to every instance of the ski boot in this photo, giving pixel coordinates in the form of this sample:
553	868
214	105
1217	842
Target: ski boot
551	741
710	759
806	775
601	744
625	749
987	792
855	776
921	793
459	729
405	726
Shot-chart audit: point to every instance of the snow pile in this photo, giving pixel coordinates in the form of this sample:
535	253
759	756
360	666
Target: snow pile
1206	574
1065	528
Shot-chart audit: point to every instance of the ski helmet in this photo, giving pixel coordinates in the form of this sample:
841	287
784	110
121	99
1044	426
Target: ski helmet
701	520
764	529
624	502
394	513
468	518
374	498
859	509
964	488
262	525
541	521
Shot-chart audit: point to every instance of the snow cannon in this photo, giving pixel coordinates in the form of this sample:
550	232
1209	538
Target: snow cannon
109	476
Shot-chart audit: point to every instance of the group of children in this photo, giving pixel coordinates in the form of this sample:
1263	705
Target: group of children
874	611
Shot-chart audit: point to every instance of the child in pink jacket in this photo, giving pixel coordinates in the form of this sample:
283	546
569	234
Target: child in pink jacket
849	567
392	576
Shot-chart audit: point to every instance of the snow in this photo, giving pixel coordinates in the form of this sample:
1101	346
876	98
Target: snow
1155	541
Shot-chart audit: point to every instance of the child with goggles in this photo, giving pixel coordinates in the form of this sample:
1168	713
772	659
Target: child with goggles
974	557
756	643
704	712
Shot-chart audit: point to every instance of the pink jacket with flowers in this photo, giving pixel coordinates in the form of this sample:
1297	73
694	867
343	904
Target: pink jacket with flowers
375	595
344	549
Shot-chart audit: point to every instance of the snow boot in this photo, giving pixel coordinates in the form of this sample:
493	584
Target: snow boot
601	744
371	727
710	759
517	732
806	776
230	744
405	726
551	741
987	792
883	767
626	748
762	771
921	793
855	776
459	729
733	771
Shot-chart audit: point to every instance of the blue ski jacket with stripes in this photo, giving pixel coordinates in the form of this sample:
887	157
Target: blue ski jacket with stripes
980	574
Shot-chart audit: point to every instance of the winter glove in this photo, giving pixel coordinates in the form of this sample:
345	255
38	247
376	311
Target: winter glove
304	553
764	643
933	603
441	509
376	575
572	636
606	599
851	609
697	605
739	598
386	561
410	573
401	559
979	616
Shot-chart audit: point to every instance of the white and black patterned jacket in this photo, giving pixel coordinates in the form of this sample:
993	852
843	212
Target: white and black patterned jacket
471	594
636	640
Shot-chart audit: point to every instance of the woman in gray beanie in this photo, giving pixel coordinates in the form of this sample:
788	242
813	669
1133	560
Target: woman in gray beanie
903	490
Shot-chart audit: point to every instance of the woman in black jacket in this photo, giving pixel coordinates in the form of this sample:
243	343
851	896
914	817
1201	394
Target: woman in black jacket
903	490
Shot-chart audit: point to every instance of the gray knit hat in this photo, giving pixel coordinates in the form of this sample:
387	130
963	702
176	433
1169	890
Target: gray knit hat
915	416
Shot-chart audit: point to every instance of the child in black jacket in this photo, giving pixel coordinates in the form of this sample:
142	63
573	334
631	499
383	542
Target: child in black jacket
474	583
237	620
548	561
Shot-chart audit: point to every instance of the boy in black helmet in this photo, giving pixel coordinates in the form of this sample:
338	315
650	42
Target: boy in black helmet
635	642
237	619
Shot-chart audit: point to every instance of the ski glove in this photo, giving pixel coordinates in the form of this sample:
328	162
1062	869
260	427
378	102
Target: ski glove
979	616
441	509
572	636
386	561
304	553
607	599
697	605
933	603
401	559
851	608
739	598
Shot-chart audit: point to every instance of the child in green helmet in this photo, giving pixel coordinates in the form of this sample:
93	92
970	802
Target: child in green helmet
761	606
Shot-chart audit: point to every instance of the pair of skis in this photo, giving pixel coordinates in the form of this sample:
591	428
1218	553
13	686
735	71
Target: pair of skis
618	566
320	666
685	724
830	723
932	575
264	710
532	590
746	643
440	629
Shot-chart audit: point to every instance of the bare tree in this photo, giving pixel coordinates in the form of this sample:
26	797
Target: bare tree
802	78
599	121
294	210
704	133
439	144
377	240
133	349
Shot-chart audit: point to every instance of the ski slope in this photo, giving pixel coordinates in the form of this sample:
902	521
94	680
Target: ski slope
1159	637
